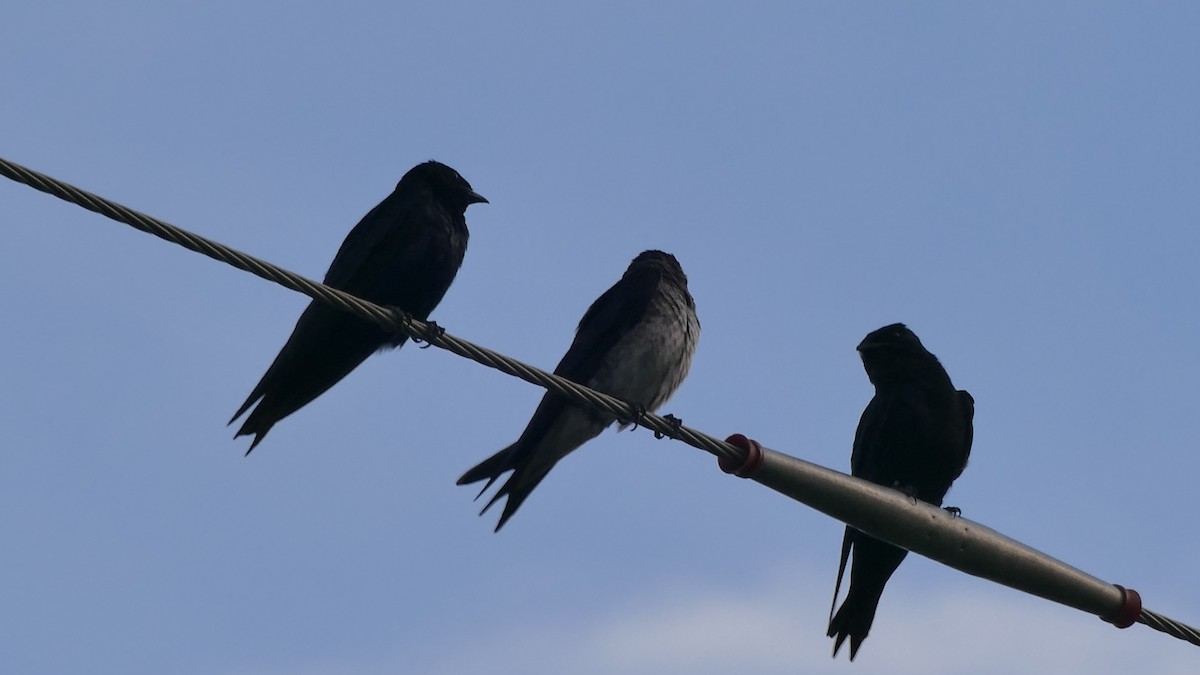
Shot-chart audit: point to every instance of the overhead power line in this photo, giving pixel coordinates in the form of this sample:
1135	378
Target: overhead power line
880	512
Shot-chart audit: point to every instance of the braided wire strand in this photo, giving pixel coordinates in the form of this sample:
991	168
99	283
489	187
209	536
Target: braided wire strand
397	320
1170	626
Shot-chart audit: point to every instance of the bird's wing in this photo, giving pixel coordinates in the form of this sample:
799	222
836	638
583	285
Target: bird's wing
609	318
968	417
394	217
862	465
865	456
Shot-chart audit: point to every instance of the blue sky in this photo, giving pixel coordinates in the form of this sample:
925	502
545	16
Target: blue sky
1016	182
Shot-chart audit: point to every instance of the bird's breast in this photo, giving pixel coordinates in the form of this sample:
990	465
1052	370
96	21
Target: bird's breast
650	361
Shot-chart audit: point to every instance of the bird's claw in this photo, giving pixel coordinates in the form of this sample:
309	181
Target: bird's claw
954	511
639	414
405	319
675	423
434	328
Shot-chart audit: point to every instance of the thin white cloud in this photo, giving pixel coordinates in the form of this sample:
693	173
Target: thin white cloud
970	627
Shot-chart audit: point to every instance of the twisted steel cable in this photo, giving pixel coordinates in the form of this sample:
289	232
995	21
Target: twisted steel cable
1169	626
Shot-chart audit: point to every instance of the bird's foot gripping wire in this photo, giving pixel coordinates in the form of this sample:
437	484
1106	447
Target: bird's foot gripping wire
675	423
639	414
435	329
404	319
954	511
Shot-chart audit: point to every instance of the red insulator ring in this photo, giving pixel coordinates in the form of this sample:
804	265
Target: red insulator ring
1131	608
750	465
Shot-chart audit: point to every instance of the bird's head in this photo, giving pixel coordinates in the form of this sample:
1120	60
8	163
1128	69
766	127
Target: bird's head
893	352
446	183
657	259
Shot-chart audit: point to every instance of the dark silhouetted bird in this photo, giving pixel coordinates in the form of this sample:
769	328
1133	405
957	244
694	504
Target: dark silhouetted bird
404	253
635	343
915	435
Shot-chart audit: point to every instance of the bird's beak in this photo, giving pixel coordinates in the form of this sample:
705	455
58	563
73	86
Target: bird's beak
865	346
476	198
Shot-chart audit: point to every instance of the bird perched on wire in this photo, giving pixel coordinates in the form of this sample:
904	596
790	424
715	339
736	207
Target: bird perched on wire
404	253
635	343
915	435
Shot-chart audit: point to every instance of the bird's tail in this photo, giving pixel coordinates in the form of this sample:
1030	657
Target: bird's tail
257	423
518	486
319	353
853	620
490	468
837	587
874	563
